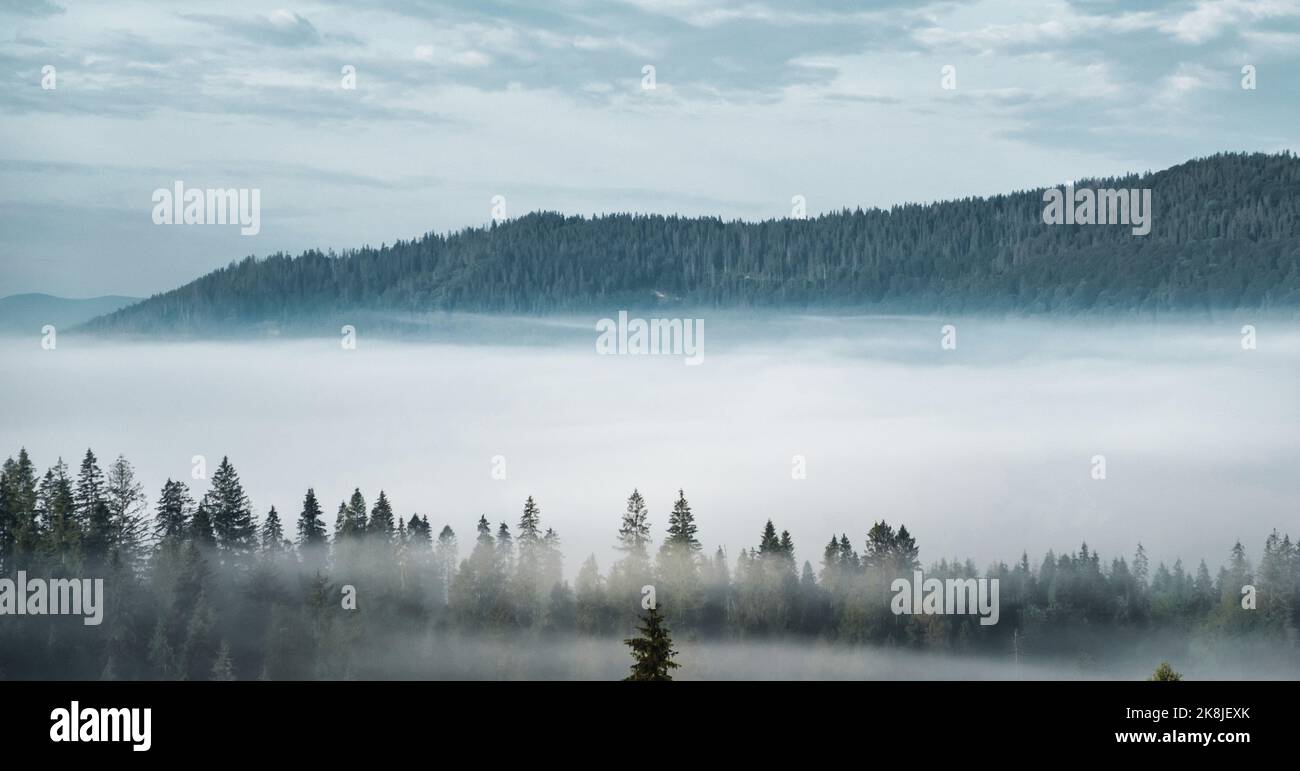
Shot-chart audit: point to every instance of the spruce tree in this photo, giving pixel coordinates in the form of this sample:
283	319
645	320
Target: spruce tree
90	487
850	563
445	556
61	531
652	651
769	545
529	569
905	551
272	532
1141	566
831	563
356	514
634	531
127	507
381	517
173	512
342	523
530	523
311	526
233	525
505	550
681	527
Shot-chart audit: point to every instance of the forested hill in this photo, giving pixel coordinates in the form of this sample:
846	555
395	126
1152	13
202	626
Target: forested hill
1225	233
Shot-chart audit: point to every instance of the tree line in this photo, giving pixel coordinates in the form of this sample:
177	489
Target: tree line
205	589
1225	235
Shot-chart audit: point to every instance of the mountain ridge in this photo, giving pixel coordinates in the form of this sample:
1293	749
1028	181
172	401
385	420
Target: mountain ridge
1225	234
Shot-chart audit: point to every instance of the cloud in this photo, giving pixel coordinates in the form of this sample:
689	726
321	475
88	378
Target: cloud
34	8
756	100
280	28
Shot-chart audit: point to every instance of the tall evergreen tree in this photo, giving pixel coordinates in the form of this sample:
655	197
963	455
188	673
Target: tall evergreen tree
233	525
355	521
530	523
272	532
681	527
652	650
634	531
127	508
381	517
445	556
769	544
175	507
1141	566
311	525
90	487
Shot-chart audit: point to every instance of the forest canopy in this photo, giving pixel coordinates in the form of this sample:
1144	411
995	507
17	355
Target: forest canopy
1225	234
205	589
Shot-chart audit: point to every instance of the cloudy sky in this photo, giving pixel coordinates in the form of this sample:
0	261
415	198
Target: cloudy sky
459	101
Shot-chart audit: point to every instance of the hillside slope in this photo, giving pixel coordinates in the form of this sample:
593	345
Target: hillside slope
1225	234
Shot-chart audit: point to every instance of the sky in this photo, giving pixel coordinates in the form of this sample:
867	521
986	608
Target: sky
547	106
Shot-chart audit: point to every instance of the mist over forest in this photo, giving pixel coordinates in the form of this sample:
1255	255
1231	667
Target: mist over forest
201	589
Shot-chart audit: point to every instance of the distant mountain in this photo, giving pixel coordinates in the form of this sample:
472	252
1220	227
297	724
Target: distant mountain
21	313
1225	233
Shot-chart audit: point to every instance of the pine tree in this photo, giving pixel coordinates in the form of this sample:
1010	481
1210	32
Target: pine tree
634	532
272	532
419	533
681	527
352	519
90	487
1141	566
174	511
445	556
808	579
552	559
850	564
20	526
342	523
530	523
311	526
652	650
769	544
505	550
59	525
906	551
127	506
879	552
484	531
233	525
528	572
381	517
